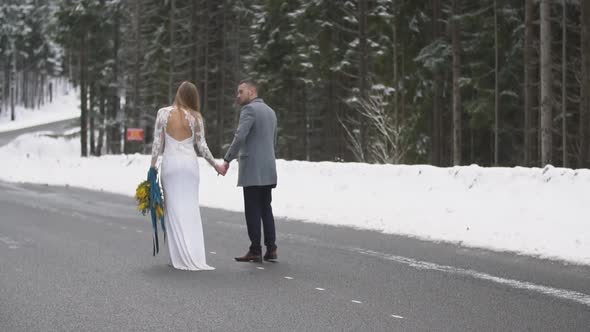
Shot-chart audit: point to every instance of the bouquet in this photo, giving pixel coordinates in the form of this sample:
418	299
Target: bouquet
143	201
149	198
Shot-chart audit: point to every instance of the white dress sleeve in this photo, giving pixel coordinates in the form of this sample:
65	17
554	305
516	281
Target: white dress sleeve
159	130
199	141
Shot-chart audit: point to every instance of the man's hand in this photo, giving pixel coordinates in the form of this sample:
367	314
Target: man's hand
222	168
225	167
219	168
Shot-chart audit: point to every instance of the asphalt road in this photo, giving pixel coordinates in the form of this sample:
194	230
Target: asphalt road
59	126
73	260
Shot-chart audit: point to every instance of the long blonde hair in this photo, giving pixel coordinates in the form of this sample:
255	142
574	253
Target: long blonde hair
187	97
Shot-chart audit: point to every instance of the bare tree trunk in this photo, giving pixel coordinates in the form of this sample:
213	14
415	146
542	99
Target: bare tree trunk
436	102
91	115
585	85
101	127
222	71
37	90
34	87
114	132
564	84
171	68
13	83
18	86
194	47
3	82
27	86
68	67
363	71
496	90
42	93
7	84
206	57
24	82
402	103
83	99
529	97
137	64
456	88
39	97
237	67
307	124
546	93
395	73
471	145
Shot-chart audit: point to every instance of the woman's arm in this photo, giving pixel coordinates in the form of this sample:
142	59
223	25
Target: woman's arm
200	142
159	130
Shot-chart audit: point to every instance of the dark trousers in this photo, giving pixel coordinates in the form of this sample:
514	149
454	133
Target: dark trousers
257	207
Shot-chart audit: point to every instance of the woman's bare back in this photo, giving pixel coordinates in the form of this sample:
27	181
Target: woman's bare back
178	126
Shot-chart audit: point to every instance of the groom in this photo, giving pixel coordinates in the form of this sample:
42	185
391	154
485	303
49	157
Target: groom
254	146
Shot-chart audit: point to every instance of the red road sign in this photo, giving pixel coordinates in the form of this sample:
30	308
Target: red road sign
135	134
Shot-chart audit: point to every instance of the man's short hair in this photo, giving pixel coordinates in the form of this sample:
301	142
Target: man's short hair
250	82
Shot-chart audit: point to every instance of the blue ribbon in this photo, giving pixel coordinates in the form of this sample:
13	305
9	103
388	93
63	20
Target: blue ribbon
155	198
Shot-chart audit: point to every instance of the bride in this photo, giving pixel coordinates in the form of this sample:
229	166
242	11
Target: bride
178	130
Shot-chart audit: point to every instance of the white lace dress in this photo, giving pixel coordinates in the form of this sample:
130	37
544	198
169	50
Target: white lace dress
179	174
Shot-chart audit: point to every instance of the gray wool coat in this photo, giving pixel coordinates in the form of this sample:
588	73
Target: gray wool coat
254	145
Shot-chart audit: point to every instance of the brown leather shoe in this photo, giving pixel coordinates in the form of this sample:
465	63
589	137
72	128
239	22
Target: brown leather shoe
250	257
271	254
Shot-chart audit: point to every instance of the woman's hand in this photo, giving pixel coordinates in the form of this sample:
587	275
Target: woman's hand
219	168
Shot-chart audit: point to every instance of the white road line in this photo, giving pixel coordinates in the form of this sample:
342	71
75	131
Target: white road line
11	243
289	278
213	252
139	231
320	289
223	223
398	317
260	267
7	240
355	301
421	265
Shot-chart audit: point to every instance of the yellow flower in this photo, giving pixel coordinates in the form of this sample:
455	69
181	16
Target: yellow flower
141	194
142	198
159	211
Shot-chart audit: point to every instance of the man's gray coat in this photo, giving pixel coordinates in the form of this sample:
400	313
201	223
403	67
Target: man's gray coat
254	145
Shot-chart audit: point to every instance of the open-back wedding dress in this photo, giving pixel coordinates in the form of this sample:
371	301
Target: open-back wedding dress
179	174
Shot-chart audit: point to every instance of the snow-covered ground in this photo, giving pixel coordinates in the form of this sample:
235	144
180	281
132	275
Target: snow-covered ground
66	105
540	212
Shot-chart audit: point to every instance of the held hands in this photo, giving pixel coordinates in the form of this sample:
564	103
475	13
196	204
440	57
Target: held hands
222	168
218	168
225	167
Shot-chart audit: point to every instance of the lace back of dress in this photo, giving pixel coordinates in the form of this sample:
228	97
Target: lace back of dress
180	146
